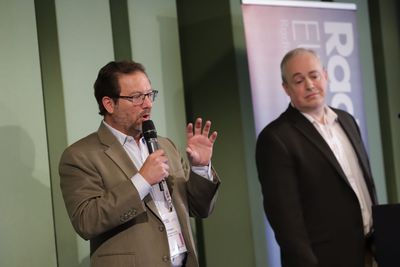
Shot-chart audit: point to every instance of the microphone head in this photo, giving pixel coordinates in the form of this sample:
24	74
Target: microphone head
149	130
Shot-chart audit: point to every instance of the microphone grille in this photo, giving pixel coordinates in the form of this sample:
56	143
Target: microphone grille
149	130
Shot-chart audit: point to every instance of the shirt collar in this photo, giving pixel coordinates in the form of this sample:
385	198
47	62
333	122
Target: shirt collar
330	116
121	137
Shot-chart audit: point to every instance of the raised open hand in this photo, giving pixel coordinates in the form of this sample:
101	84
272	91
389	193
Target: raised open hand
199	144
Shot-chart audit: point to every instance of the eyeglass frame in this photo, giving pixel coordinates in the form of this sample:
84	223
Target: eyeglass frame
138	96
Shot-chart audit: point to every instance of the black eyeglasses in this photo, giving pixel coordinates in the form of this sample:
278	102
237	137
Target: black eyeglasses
138	99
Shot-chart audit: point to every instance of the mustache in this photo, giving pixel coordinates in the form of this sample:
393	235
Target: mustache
144	112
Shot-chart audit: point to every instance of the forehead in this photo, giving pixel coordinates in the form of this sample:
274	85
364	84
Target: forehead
303	63
134	82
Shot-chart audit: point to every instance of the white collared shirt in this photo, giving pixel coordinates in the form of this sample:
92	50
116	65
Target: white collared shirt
138	153
339	143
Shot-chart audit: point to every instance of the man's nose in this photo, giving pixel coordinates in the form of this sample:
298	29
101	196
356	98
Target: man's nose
309	84
147	101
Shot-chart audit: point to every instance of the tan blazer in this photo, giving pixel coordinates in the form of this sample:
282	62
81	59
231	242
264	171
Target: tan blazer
105	207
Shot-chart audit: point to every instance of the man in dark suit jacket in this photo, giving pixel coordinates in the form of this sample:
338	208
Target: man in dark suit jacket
110	183
315	175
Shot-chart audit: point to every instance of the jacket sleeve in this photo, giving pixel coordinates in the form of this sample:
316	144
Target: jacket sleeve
94	206
279	182
201	192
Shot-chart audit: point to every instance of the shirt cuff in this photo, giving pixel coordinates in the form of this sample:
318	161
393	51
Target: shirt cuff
203	171
142	186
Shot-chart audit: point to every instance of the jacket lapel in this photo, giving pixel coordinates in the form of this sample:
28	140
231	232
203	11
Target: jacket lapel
115	151
351	133
151	205
170	184
170	179
309	132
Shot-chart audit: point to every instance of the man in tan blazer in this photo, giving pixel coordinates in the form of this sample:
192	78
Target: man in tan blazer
110	183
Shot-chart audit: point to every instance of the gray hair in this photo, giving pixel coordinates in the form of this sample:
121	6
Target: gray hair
292	53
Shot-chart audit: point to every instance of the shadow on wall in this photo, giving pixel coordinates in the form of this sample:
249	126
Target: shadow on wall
26	222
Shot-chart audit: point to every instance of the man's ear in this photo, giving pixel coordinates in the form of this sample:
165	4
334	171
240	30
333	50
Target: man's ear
108	104
325	73
285	88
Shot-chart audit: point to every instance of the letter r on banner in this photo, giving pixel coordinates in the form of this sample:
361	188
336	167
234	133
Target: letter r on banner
341	37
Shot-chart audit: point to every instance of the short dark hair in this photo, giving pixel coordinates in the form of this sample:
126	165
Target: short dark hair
289	55
107	83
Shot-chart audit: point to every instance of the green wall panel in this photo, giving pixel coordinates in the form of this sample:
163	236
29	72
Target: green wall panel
26	222
155	44
85	45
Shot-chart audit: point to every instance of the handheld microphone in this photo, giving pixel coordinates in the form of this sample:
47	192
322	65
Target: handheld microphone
150	136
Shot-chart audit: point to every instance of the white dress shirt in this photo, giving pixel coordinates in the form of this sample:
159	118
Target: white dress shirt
138	152
344	152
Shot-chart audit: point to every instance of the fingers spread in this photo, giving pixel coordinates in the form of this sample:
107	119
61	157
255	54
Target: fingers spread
189	130
197	127
206	129
213	137
197	130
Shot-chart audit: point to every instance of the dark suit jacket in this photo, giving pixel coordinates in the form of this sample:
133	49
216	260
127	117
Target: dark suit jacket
308	201
106	208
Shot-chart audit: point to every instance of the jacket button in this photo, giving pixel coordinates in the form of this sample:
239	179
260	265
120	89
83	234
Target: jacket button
131	212
161	228
165	258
